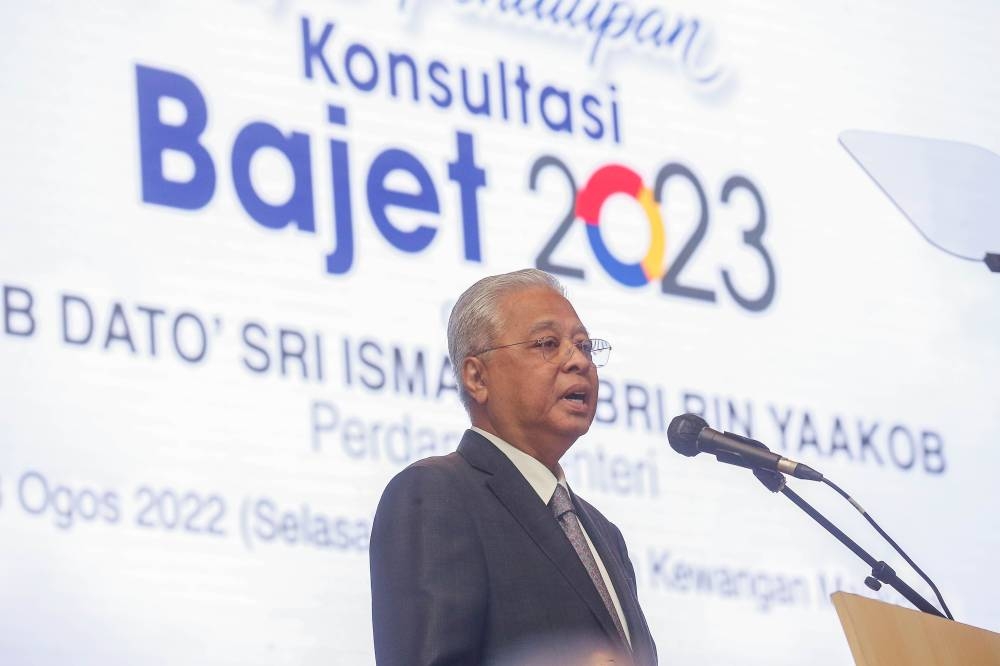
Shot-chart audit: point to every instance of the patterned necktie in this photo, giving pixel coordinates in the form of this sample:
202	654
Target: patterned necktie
562	507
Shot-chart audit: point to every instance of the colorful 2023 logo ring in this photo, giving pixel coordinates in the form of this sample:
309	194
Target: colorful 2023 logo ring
617	179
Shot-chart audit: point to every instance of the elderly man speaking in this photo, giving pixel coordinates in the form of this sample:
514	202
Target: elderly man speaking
485	556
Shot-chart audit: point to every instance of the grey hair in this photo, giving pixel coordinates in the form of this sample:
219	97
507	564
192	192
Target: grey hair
475	319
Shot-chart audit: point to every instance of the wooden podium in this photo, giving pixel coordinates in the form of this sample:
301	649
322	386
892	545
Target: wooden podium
882	634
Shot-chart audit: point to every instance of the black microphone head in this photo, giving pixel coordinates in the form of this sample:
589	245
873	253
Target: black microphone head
682	433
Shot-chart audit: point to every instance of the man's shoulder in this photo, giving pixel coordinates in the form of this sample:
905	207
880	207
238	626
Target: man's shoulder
442	467
414	490
446	479
449	464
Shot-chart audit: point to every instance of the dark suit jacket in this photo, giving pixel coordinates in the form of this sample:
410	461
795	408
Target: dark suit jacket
468	565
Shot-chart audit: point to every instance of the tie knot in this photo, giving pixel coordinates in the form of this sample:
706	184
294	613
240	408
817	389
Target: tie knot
560	502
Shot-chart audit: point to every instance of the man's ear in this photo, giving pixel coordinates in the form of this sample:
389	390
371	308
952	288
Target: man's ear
474	379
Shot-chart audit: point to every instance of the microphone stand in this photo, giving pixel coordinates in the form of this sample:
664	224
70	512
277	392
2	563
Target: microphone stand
881	571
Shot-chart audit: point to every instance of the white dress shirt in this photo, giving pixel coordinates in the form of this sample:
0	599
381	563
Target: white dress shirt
541	479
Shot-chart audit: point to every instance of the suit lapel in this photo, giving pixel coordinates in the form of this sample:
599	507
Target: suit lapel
523	503
612	558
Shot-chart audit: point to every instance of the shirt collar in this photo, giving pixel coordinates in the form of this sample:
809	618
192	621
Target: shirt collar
538	476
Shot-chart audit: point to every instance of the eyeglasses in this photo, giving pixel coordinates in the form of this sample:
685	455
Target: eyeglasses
598	351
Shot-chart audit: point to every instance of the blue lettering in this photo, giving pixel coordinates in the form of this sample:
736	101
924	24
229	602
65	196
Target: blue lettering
394	60
654	32
265	527
339	261
437	71
349	60
381	197
612	20
374	363
298	209
11	310
565	124
314	51
80	305
591	105
254	337
156	137
118	329
470	178
483	107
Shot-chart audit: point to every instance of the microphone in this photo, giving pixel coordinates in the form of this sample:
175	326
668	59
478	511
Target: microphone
690	435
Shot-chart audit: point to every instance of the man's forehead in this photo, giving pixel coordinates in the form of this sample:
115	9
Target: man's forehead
540	308
574	325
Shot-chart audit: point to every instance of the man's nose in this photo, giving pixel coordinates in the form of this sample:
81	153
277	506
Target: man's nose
575	359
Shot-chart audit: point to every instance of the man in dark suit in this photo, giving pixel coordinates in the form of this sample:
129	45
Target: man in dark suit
484	556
